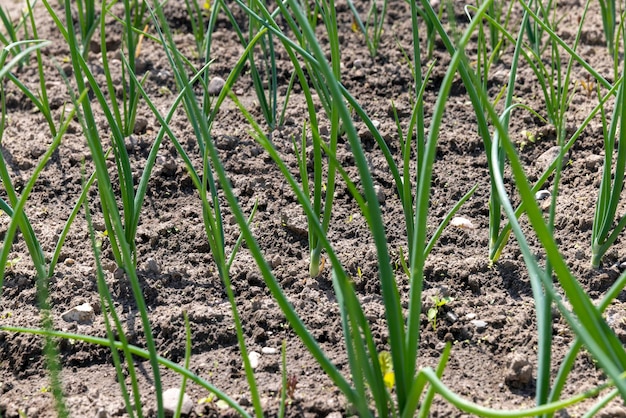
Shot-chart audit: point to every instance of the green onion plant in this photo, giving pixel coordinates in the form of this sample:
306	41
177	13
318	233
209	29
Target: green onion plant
387	382
14	208
321	186
609	13
199	29
262	60
607	225
363	359
556	85
541	277
11	37
372	28
87	23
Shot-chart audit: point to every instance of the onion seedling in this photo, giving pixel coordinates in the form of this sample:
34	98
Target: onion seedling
372	29
14	208
605	230
609	12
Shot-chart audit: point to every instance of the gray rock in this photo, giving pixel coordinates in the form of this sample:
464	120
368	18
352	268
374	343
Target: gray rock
141	125
451	316
130	142
83	314
170	402
480	325
594	161
153	266
215	86
548	157
520	371
102	413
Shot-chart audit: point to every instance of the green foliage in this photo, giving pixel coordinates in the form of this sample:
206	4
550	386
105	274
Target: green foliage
606	228
372	28
609	14
433	313
381	382
9	37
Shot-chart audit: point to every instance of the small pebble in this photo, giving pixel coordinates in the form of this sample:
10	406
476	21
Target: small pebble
357	63
463	223
153	266
140	66
227	142
37	152
109	266
520	371
215	86
376	124
254	358
545	159
68	70
170	402
594	161
102	413
480	325
163	76
470	316
141	125
276	261
82	314
119	273
269	350
542	195
452	317
130	142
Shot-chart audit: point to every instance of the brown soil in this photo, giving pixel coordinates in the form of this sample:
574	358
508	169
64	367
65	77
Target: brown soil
177	273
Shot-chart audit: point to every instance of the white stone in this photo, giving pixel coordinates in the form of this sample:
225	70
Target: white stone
254	358
480	325
170	402
463	223
269	350
542	195
81	314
